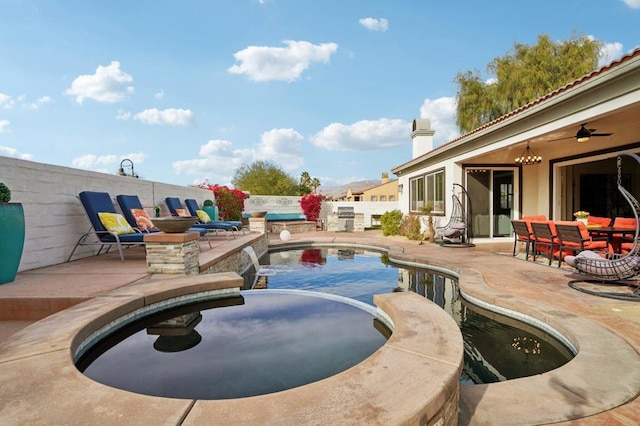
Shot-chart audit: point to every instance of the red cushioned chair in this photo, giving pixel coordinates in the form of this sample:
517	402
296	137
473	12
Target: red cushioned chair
545	238
574	237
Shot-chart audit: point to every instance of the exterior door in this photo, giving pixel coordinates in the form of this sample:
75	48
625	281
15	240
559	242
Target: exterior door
492	198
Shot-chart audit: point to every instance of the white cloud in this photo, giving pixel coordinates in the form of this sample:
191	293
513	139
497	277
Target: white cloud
218	157
282	146
635	4
43	100
263	63
159	95
365	135
374	24
109	84
108	163
170	116
123	115
6	101
442	114
12	152
4	126
610	52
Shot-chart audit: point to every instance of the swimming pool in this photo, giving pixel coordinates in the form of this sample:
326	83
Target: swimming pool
497	348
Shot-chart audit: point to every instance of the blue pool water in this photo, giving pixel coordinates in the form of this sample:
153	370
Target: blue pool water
497	348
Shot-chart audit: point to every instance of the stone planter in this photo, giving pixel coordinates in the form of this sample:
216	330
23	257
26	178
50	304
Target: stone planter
12	241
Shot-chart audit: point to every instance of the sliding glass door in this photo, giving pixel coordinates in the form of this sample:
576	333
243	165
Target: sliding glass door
492	201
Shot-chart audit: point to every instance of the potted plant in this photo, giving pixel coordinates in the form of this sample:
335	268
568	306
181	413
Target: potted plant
430	233
211	209
582	216
12	231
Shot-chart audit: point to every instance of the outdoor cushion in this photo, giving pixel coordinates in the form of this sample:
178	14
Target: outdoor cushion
143	221
115	223
203	216
183	213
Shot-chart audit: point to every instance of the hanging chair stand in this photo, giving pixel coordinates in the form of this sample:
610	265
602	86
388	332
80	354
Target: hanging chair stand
459	222
616	269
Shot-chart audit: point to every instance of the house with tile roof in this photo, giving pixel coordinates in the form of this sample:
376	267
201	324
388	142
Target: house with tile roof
576	131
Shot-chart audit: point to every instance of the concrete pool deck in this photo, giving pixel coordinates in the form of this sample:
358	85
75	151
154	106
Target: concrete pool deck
604	329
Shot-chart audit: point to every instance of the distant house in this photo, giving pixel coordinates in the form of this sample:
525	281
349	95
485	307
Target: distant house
386	191
575	133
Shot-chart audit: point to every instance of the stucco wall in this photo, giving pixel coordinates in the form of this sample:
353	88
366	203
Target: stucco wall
54	216
365	207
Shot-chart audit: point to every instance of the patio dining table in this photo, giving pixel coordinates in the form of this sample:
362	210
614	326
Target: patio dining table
610	231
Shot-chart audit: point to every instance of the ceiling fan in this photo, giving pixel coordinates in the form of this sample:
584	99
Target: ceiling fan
584	134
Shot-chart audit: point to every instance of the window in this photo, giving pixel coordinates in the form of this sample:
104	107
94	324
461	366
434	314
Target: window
374	198
383	198
392	197
428	189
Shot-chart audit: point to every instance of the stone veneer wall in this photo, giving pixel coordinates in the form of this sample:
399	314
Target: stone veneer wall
333	221
173	253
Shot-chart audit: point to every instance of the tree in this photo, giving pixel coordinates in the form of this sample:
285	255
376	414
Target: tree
521	76
307	182
315	182
264	178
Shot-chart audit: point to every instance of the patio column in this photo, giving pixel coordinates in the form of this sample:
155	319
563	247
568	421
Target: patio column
173	253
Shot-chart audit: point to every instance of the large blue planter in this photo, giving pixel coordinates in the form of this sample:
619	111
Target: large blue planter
11	240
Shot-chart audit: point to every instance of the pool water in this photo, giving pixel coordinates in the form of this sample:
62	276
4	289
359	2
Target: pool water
262	342
497	348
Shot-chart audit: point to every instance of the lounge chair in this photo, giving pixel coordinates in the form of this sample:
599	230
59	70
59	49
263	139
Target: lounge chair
176	209
129	203
98	204
192	206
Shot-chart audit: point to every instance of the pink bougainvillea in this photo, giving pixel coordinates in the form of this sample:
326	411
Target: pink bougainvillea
230	202
311	205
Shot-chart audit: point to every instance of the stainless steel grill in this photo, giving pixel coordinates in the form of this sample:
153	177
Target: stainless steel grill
346	216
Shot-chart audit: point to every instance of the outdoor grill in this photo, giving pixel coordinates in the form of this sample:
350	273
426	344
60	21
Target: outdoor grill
346	216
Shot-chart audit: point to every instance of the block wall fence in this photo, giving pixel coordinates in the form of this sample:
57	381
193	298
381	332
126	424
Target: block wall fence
55	218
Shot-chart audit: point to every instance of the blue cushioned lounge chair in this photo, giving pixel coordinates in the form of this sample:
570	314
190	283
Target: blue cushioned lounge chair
128	202
100	202
192	206
173	203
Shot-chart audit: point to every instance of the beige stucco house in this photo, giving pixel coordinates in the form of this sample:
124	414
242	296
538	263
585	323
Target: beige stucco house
572	174
386	191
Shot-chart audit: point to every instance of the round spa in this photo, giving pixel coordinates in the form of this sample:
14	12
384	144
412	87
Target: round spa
257	343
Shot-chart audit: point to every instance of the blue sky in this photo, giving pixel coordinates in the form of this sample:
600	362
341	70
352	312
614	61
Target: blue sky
191	90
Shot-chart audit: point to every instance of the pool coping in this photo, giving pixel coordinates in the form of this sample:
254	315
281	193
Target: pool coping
413	378
593	382
567	394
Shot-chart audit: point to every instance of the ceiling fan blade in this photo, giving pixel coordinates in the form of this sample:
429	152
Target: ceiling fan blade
601	134
561	139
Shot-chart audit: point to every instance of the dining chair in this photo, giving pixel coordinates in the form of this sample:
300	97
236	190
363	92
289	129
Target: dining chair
522	234
574	237
545	236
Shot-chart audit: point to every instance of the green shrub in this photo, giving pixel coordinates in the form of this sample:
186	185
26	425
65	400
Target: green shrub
390	222
5	193
410	227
